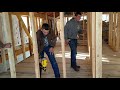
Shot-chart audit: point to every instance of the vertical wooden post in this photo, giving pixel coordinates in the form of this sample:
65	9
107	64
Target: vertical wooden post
30	43
11	28
114	28
117	32
96	37
63	43
38	19
88	31
98	44
6	25
83	29
93	47
83	21
119	27
42	21
35	47
22	40
90	34
36	24
110	28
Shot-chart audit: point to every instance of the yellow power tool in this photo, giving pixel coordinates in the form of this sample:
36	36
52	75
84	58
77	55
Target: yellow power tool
44	63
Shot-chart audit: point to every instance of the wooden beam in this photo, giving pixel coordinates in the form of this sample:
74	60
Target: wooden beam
27	14
13	41
88	31
63	43
98	44
93	46
110	28
20	13
83	21
20	51
119	26
96	37
38	19
83	29
30	43
24	27
36	23
41	15
114	28
35	47
22	40
6	25
118	32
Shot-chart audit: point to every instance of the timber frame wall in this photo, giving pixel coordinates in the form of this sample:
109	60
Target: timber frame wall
94	30
114	31
10	56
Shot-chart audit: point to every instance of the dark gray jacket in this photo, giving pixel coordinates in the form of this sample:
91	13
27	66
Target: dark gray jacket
71	29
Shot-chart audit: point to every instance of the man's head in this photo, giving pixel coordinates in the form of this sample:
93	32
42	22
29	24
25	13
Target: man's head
77	16
45	28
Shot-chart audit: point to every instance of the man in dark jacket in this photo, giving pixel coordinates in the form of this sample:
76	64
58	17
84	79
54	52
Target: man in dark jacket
7	45
46	42
72	29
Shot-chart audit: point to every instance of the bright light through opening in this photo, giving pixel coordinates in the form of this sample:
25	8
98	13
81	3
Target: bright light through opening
68	55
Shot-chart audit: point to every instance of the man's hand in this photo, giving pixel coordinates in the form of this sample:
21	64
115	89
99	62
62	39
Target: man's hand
77	36
7	45
67	41
51	50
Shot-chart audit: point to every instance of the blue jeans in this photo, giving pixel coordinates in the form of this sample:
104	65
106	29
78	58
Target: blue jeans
73	47
52	60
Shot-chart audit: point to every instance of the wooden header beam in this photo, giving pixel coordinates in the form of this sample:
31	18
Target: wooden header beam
41	15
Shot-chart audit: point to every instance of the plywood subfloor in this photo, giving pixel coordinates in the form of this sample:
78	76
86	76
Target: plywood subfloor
110	64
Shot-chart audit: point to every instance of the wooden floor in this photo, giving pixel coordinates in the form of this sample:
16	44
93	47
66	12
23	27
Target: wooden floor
110	60
111	63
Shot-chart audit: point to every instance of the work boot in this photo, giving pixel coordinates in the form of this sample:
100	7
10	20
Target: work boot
76	68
